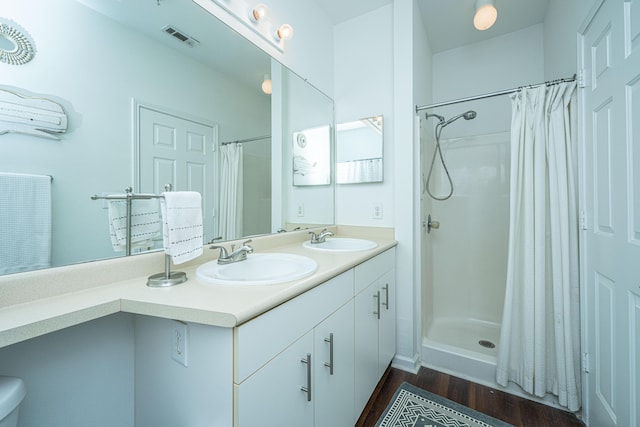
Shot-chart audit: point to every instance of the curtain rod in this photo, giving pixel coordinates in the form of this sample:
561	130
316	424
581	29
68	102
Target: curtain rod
492	94
240	141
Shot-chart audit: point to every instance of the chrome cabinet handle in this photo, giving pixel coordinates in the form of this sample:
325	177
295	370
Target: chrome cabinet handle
307	389
386	291
330	363
377	297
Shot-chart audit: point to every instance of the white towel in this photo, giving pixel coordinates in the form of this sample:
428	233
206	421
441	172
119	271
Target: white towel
25	222
146	222
182	225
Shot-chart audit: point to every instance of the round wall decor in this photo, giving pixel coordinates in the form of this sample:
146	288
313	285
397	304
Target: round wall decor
16	47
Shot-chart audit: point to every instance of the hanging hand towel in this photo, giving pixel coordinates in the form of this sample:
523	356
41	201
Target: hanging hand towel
25	222
182	225
145	222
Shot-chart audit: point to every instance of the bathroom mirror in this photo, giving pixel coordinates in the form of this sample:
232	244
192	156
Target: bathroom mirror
359	148
312	156
101	60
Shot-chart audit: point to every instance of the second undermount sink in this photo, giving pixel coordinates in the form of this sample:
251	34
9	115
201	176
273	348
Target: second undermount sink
258	269
342	244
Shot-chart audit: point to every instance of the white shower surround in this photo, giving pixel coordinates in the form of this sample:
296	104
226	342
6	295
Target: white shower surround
468	262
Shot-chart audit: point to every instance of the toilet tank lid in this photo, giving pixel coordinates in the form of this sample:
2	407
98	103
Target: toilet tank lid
12	391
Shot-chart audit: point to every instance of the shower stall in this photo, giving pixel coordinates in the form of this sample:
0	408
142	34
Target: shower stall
465	208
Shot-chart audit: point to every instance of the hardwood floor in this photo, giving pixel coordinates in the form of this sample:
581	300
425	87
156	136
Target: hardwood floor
512	409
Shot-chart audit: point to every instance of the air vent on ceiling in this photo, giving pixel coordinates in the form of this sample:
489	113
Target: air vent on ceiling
180	35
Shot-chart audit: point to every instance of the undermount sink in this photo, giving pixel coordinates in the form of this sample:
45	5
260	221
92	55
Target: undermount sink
341	244
258	269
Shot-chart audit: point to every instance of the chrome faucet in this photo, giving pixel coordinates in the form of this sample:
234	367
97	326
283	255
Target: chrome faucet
320	238
236	255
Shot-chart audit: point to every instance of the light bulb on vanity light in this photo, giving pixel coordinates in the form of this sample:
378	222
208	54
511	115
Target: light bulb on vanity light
267	86
258	13
485	16
284	32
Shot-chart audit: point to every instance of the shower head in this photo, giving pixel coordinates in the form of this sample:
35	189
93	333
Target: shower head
469	115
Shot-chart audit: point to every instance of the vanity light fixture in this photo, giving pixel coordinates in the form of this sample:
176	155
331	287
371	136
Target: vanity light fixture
258	13
284	32
267	85
253	16
486	14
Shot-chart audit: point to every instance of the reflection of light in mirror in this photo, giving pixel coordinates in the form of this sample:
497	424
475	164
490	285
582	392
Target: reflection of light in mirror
267	86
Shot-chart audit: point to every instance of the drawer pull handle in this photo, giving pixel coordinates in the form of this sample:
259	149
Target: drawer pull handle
330	363
307	389
377	297
386	292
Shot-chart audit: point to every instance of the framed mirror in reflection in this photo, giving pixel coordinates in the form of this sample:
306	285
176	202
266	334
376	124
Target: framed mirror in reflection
115	67
359	149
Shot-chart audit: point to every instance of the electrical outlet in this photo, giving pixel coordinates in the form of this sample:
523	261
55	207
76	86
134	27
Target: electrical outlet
300	210
179	342
377	211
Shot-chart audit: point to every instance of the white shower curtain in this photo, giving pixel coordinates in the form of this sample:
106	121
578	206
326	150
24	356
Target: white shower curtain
231	204
540	339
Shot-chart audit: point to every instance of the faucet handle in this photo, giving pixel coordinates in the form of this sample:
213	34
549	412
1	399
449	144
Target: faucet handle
246	246
223	250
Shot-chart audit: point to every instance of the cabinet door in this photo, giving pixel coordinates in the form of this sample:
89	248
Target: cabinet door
387	326
273	396
366	344
333	387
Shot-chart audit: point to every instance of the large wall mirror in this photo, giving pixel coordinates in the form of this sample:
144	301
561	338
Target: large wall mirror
130	73
359	148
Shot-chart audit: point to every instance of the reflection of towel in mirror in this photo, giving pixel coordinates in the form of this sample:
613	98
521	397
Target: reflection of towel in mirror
25	222
182	225
302	166
145	223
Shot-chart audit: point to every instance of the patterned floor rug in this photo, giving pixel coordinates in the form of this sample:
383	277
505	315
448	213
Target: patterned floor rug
414	407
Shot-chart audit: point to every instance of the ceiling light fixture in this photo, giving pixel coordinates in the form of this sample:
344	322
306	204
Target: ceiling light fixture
267	85
258	13
284	32
486	15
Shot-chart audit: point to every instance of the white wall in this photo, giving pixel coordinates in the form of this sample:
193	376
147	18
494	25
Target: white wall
561	25
504	62
363	58
79	376
81	62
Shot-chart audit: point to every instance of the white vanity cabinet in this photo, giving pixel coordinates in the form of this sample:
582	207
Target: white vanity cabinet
375	320
280	373
315	360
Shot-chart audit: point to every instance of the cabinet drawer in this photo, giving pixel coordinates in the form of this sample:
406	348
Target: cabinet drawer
261	339
372	269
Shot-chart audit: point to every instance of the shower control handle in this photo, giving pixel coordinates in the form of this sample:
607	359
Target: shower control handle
430	224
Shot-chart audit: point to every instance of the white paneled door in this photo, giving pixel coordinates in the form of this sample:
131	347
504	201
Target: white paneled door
180	151
610	57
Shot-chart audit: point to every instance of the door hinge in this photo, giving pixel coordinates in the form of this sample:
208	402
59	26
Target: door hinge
582	77
583	221
585	363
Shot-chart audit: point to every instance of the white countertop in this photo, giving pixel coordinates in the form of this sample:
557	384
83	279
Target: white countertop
37	303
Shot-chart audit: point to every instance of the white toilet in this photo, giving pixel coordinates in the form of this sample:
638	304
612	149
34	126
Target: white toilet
12	391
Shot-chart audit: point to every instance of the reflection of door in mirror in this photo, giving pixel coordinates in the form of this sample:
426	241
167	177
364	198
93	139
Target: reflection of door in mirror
359	148
179	151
